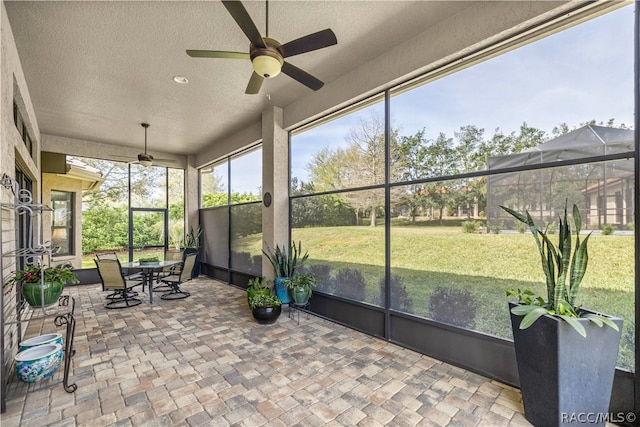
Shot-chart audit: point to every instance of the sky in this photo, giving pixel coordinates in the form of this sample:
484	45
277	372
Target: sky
580	74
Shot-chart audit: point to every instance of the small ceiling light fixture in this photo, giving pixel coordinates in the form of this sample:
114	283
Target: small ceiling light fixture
181	80
266	63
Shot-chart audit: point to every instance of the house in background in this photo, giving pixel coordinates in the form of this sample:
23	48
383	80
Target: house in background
63	181
607	191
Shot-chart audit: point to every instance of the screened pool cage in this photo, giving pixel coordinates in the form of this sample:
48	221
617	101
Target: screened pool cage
602	188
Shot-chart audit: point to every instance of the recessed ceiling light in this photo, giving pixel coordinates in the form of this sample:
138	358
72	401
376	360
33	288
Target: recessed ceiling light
181	80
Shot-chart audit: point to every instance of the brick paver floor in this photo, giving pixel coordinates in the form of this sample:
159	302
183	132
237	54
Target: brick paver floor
204	361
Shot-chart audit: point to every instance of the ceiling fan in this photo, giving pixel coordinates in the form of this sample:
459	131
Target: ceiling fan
267	54
145	159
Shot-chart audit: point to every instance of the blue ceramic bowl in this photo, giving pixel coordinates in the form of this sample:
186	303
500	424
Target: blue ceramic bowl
37	363
40	340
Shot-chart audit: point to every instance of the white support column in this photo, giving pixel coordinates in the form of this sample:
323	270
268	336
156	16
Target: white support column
275	182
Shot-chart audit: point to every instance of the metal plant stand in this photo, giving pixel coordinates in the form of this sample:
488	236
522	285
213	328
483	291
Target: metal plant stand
15	312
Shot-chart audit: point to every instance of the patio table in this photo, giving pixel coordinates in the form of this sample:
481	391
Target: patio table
148	268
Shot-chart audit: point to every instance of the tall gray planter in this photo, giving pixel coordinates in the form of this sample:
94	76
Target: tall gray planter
564	377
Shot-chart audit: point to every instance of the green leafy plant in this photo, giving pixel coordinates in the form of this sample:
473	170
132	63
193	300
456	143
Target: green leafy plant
301	280
192	238
261	300
285	262
149	259
608	229
35	273
259	284
470	226
566	260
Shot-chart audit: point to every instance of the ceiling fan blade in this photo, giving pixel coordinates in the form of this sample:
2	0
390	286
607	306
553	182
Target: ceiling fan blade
244	21
301	76
217	54
310	42
255	83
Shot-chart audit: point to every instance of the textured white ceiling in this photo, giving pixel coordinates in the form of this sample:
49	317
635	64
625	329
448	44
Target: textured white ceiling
96	70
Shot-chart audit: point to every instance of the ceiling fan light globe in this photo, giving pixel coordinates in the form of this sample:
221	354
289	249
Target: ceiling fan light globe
146	163
267	66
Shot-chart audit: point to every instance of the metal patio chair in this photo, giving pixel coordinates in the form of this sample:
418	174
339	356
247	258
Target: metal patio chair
114	280
176	279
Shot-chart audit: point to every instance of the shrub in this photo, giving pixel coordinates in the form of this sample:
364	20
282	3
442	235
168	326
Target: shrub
400	299
470	226
520	227
350	283
454	306
322	272
608	229
496	228
631	226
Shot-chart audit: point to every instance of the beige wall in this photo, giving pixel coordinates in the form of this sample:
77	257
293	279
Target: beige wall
60	183
12	152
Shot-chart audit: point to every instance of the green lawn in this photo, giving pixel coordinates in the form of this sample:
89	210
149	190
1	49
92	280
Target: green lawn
484	265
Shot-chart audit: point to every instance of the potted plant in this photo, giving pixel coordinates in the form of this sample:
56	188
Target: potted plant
566	354
148	260
41	287
300	287
258	285
285	262
265	308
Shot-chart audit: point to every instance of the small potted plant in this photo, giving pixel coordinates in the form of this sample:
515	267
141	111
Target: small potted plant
148	260
265	308
285	262
258	285
566	354
41	287
300	287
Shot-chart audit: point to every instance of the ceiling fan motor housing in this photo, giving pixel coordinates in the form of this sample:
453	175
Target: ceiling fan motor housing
267	61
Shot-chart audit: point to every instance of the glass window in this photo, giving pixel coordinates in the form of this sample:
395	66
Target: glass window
344	234
214	185
148	186
62	222
346	152
246	238
176	207
453	251
246	176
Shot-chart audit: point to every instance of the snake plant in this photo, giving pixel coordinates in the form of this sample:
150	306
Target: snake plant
567	260
285	262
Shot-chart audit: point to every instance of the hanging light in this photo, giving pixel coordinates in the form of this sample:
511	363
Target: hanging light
266	64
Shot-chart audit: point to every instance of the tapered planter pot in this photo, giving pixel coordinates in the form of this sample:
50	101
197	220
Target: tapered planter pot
282	291
196	267
300	295
562	374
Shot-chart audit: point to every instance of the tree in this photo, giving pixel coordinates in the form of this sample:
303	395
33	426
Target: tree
410	159
440	161
360	164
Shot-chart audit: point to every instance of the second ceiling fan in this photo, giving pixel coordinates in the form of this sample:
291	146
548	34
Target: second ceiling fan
266	54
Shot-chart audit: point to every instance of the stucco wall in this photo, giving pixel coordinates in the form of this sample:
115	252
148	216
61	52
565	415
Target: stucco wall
12	152
59	183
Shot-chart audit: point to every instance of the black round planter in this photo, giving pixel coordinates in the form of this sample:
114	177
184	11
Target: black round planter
266	315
